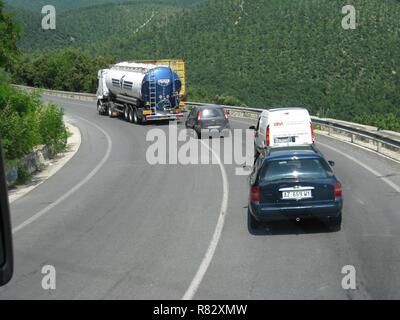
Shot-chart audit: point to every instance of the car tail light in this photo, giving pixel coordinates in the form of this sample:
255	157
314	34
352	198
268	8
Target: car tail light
255	193
312	133
199	117
337	189
267	136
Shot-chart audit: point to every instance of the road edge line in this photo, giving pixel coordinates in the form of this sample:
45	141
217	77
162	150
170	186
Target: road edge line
368	168
205	263
76	187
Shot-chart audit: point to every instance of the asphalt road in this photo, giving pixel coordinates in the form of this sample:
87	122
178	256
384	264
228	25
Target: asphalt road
116	227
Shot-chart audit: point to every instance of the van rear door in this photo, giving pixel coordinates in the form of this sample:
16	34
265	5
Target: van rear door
290	127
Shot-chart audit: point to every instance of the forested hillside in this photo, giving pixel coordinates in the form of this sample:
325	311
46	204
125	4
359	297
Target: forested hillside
285	52
93	25
278	53
67	5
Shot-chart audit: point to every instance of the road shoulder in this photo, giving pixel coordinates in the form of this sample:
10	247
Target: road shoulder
51	166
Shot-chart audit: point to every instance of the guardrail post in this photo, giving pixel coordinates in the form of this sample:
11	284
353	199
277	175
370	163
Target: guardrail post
378	146
353	137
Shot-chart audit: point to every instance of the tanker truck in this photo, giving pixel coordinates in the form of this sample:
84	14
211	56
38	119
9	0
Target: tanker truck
140	92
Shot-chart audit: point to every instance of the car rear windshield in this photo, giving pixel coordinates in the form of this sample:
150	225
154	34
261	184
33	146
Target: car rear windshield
296	169
212	113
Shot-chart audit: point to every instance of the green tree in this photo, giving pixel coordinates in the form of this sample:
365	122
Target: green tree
9	35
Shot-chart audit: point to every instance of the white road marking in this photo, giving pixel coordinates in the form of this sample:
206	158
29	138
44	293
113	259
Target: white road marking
374	172
358	146
76	187
194	285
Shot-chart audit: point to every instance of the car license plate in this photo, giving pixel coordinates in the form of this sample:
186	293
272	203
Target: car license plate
296	195
285	140
213	127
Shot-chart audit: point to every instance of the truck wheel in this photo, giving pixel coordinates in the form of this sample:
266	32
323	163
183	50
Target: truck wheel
135	117
100	108
110	112
130	115
126	113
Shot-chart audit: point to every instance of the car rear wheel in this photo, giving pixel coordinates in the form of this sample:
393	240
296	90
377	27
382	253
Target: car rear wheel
335	222
253	224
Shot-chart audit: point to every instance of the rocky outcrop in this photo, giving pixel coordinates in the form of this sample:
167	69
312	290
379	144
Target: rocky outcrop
30	163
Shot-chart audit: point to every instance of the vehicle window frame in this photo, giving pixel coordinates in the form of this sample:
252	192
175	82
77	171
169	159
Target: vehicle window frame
258	124
6	267
256	169
192	113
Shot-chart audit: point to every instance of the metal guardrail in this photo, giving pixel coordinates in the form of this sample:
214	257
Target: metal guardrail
61	94
387	143
352	132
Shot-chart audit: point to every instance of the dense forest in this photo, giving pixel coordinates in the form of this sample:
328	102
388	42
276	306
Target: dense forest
63	69
257	53
68	5
93	25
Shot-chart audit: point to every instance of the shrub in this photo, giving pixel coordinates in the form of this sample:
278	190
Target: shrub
25	123
195	93
51	127
228	101
387	121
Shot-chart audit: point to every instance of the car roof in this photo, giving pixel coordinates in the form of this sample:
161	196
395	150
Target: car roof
209	106
284	153
283	109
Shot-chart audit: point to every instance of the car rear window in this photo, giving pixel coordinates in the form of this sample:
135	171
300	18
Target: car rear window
296	169
212	113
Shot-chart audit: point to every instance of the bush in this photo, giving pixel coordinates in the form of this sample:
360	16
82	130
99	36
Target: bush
387	121
16	138
23	174
228	101
51	127
25	123
64	69
199	94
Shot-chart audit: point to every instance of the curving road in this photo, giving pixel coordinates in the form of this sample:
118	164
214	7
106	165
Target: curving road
115	227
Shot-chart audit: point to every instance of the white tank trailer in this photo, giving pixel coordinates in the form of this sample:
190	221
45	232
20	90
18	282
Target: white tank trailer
139	92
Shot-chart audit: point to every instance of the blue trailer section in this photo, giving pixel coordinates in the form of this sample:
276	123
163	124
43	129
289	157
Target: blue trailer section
160	88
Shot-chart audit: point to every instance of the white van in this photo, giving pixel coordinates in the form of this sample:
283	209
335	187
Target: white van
283	127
